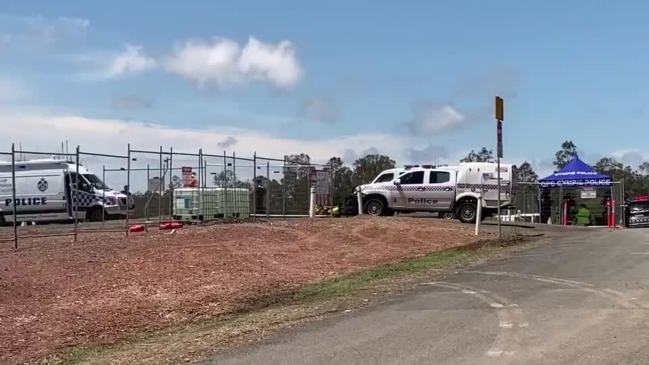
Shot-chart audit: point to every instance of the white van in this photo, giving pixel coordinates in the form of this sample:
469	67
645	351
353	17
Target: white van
45	193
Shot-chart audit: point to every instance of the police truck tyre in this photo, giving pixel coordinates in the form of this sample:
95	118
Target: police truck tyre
375	207
95	215
466	212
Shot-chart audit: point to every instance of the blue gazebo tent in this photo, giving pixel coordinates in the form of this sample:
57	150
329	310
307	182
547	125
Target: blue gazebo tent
576	173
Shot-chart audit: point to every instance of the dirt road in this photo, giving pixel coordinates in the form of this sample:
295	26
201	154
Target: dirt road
582	299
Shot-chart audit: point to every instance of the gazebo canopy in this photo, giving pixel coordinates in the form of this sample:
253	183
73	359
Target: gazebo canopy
576	173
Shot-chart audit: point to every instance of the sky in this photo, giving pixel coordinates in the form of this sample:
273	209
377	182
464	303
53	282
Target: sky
415	80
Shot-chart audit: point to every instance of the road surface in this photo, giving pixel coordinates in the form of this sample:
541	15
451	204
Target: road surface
581	299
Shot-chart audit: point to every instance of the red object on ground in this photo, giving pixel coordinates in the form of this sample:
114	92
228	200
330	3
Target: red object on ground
613	214
136	228
165	225
176	225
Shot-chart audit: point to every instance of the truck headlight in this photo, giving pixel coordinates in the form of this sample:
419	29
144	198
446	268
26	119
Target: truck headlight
110	200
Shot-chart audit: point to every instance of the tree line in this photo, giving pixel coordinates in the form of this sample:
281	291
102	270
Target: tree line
293	182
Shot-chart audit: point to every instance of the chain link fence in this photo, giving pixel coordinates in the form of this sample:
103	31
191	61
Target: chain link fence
84	192
558	204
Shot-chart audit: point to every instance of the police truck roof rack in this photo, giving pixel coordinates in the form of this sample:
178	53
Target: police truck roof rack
408	167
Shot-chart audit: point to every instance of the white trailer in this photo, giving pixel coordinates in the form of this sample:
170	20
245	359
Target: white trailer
46	192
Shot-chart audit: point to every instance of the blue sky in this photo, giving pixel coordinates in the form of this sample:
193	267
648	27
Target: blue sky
415	80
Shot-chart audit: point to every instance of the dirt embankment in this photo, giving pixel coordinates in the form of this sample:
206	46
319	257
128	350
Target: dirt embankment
55	294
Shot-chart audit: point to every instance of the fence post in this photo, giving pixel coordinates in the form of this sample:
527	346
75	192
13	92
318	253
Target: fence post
225	185
103	195
312	202
128	185
478	216
359	198
254	186
160	180
13	193
171	184
235	192
201	185
284	189
76	196
267	190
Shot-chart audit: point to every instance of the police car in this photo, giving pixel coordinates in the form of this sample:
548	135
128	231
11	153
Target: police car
444	189
46	190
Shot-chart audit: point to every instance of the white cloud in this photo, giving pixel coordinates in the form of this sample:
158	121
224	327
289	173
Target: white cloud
112	135
321	109
430	154
131	60
222	62
275	63
433	118
40	31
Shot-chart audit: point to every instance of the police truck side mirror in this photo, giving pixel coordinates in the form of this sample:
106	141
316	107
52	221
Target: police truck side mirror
397	182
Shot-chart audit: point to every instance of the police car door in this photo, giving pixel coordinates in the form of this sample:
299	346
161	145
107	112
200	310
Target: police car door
412	191
442	186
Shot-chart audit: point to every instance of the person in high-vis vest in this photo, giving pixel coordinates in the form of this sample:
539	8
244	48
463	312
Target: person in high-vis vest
583	216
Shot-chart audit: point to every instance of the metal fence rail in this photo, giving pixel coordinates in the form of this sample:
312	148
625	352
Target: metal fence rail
232	186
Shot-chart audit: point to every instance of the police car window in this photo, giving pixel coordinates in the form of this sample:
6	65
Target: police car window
385	177
416	177
439	177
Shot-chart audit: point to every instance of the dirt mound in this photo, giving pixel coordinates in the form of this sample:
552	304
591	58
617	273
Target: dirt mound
54	293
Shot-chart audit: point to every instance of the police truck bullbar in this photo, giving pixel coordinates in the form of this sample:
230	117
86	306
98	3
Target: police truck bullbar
447	189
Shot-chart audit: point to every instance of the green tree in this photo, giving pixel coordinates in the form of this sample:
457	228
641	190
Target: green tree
295	183
567	152
483	155
644	168
525	173
342	180
368	167
608	166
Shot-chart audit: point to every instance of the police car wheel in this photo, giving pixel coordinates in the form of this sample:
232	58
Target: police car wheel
467	212
375	207
95	215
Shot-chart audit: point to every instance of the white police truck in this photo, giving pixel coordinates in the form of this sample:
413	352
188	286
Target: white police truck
446	189
46	192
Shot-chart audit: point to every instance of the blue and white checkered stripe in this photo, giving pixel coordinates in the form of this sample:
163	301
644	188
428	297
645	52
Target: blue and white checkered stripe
85	199
414	188
505	187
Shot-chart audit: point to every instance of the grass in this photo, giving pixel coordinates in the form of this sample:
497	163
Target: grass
349	284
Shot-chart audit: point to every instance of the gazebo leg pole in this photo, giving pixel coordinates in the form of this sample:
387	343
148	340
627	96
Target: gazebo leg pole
561	204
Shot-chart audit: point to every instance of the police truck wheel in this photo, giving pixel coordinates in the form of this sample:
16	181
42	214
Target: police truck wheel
448	215
375	207
95	215
467	212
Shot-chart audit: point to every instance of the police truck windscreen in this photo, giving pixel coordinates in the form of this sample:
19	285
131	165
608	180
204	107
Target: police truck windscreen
96	182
